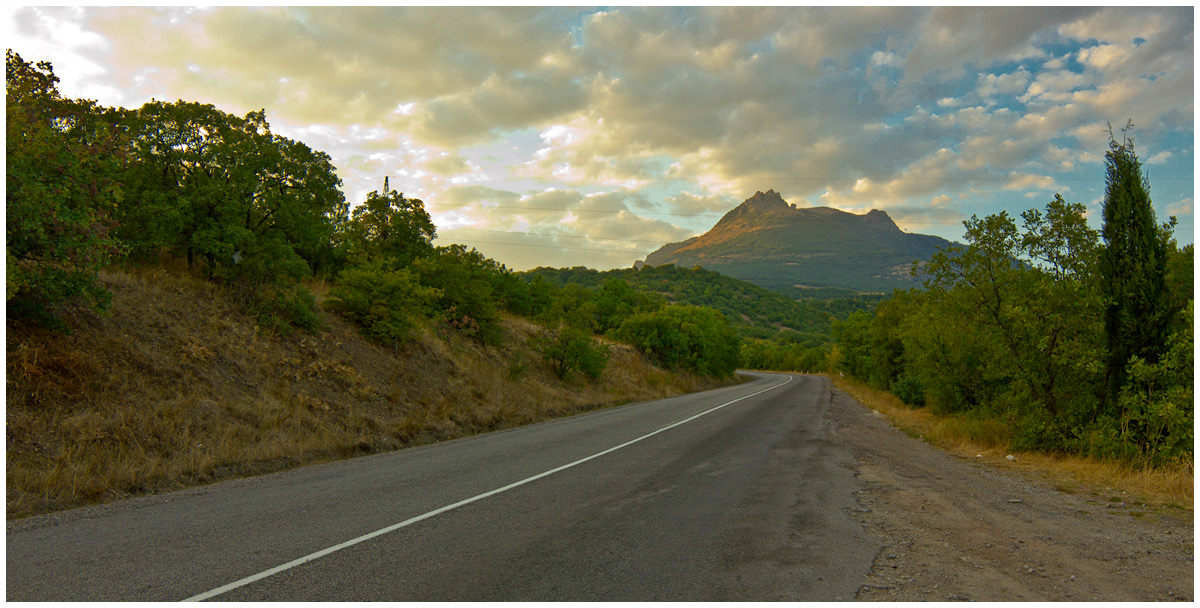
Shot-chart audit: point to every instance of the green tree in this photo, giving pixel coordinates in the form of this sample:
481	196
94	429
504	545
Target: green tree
1133	268
1027	302
465	280
222	188
390	226
61	193
692	338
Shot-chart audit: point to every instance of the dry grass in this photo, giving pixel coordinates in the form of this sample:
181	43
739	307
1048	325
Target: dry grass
175	387
988	441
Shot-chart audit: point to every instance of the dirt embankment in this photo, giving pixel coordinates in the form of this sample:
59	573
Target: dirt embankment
175	386
958	530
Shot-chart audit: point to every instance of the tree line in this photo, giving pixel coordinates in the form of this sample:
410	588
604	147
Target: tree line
90	186
1079	340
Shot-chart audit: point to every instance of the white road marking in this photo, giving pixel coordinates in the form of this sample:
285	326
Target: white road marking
380	532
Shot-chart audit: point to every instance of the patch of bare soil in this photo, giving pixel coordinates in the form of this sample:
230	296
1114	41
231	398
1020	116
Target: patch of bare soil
956	530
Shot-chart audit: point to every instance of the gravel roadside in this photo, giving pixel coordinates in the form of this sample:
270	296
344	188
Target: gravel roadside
955	530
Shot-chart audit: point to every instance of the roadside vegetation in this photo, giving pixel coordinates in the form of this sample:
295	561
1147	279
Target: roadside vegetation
1050	337
190	297
989	441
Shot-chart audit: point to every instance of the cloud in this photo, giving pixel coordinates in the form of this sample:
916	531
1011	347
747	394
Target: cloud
629	112
687	203
1180	207
1159	159
337	66
953	37
1028	181
448	163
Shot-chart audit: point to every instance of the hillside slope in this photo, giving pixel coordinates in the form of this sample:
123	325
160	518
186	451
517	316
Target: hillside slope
754	311
791	250
174	387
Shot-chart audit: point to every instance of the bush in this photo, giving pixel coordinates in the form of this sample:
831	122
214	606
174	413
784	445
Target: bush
1156	404
909	390
568	348
689	338
386	304
280	308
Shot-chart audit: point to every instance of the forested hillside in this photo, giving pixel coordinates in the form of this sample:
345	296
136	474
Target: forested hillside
754	311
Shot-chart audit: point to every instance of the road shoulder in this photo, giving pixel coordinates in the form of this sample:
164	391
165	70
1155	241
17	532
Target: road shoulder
954	530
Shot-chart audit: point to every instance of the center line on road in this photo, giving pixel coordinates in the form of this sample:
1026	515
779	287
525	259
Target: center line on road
380	532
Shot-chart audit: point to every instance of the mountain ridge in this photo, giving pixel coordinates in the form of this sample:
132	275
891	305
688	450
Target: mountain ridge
771	243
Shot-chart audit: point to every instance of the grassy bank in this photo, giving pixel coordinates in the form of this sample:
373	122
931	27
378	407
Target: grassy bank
174	386
986	440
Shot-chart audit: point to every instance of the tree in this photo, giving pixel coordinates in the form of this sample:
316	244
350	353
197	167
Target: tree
569	348
466	282
1023	310
691	338
1133	268
222	188
391	226
61	192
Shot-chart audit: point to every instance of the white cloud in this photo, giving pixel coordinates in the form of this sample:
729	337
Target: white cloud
881	58
1159	159
1012	83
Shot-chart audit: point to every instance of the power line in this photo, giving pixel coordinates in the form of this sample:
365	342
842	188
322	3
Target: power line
553	246
565	210
568	236
568	210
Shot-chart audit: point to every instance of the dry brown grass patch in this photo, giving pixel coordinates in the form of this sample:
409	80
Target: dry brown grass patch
988	441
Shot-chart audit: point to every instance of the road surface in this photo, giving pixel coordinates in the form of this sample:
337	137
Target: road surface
732	494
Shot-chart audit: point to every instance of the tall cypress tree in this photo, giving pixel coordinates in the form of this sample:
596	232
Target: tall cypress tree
1132	267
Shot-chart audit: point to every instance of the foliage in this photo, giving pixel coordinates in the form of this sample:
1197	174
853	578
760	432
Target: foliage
60	195
1030	296
389	226
386	304
754	312
1157	412
279	308
688	338
1011	328
567	349
466	282
1133	266
222	188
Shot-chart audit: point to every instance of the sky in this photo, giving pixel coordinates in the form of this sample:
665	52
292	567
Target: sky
584	136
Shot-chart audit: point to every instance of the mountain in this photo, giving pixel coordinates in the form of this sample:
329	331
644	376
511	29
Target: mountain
802	252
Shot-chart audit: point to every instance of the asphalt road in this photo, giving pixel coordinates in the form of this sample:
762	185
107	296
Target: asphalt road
733	494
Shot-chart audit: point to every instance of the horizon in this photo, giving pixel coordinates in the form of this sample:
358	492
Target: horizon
601	135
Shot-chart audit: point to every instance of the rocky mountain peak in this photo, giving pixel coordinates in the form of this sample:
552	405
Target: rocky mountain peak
770	243
879	219
765	201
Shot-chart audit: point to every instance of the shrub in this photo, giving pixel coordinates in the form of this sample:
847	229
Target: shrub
569	348
692	338
280	308
910	390
386	304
